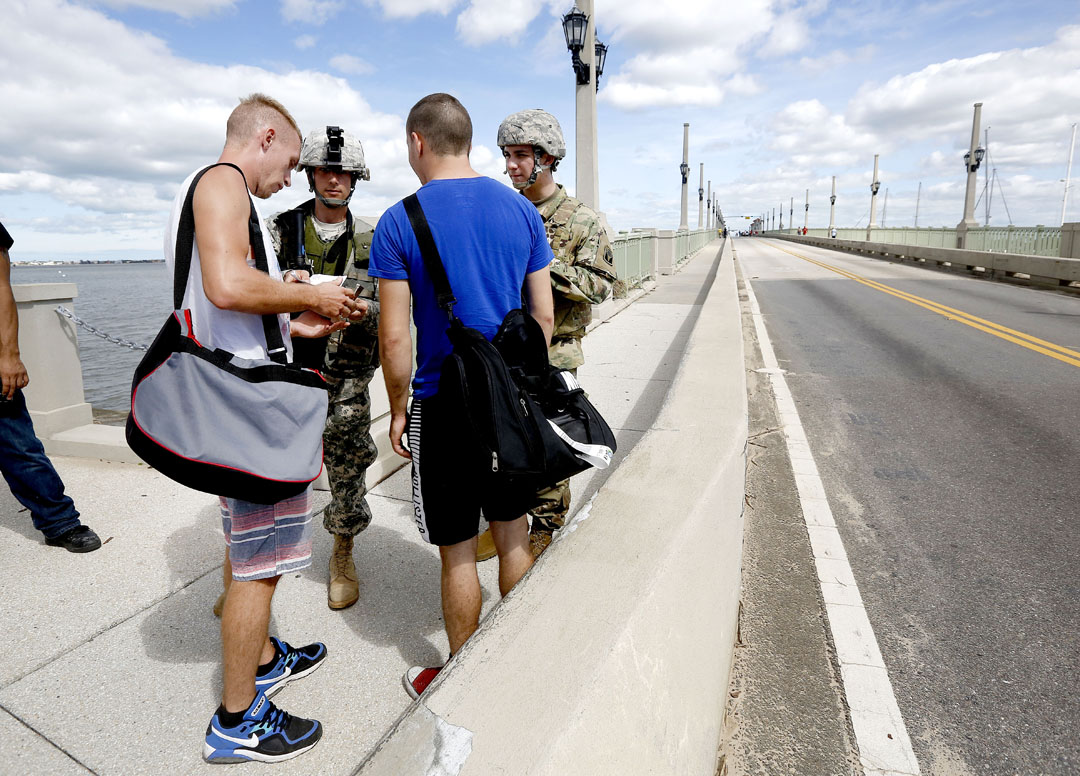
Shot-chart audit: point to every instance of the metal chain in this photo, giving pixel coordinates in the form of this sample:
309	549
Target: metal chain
114	340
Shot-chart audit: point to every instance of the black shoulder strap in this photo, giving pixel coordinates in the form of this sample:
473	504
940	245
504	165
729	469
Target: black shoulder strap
185	241
430	253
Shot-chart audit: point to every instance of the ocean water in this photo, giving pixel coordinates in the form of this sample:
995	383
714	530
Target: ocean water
130	301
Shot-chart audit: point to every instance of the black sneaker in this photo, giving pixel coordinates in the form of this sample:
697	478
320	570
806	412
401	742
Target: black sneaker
78	539
292	663
266	734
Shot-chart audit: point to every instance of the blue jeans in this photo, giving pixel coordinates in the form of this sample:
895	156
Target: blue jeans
30	474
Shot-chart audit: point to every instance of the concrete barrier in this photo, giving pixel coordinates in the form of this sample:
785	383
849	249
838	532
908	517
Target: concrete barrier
1035	270
613	654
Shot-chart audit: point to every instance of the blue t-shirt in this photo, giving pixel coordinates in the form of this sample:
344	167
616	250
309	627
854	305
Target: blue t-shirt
489	238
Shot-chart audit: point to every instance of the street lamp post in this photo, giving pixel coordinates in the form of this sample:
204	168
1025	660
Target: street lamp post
781	216
708	198
832	207
791	214
684	170
579	29
806	214
972	159
701	193
875	184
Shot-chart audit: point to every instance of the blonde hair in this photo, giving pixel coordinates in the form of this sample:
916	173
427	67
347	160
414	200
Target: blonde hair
255	113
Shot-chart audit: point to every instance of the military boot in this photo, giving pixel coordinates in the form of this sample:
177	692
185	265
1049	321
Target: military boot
485	546
539	541
344	590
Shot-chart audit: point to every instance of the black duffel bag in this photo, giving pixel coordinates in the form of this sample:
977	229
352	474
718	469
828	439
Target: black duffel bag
532	419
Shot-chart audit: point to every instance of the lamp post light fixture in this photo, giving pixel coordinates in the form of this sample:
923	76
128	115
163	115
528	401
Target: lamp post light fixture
832	207
601	58
587	57
575	24
875	185
684	170
975	152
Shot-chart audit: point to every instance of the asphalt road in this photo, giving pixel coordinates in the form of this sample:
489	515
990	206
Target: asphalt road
951	458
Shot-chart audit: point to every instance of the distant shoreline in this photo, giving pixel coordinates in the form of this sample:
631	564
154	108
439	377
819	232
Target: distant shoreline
59	263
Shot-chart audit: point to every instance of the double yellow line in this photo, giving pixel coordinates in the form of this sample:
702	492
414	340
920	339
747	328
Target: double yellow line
952	314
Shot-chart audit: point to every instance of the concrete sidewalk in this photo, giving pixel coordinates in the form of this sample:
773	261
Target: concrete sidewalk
113	658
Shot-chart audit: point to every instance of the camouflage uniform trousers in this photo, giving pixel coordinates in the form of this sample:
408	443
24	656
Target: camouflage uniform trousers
348	450
550	514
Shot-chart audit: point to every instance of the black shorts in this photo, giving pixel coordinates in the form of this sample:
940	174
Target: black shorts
452	481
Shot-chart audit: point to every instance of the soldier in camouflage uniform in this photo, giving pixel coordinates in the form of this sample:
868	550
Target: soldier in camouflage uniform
582	274
321	237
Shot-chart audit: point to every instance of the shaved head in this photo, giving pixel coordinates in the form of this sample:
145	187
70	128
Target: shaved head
255	114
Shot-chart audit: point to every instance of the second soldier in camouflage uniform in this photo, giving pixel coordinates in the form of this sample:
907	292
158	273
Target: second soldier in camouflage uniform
322	236
582	274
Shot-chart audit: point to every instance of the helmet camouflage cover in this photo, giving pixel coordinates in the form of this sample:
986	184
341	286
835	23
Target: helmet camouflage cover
533	127
333	148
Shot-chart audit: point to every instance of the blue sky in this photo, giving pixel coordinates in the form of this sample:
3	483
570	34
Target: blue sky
109	104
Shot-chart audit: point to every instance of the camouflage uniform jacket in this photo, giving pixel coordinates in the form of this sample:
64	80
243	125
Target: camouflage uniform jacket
582	273
354	349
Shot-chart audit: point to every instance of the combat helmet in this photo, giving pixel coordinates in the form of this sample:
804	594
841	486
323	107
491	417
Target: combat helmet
334	149
539	129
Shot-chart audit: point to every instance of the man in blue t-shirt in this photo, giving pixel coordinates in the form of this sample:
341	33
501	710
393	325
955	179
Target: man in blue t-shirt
494	247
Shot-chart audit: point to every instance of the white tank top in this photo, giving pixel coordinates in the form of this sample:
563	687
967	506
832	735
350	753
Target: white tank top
239	333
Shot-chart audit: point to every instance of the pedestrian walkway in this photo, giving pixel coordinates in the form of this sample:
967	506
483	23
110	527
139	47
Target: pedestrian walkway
112	659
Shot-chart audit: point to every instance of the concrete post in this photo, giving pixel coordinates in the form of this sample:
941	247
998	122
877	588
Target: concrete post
1070	241
50	350
588	178
711	215
832	206
969	221
683	226
665	251
806	209
701	194
874	185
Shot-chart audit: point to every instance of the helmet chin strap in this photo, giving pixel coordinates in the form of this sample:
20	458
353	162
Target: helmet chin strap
538	167
331	203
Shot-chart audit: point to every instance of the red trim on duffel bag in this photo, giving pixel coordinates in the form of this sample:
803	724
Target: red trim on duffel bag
196	460
190	328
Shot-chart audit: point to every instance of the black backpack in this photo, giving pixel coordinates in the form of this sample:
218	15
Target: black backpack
533	419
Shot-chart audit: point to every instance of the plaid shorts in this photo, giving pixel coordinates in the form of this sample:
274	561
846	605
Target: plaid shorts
267	540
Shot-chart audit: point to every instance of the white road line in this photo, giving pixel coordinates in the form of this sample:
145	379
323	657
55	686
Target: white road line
884	745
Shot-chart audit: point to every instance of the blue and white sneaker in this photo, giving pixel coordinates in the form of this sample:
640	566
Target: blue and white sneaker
266	734
292	663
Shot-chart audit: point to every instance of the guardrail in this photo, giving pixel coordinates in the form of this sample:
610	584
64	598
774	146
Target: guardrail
643	254
1030	269
1023	240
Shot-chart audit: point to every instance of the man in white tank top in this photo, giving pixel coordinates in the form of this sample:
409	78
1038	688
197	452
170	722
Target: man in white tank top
227	297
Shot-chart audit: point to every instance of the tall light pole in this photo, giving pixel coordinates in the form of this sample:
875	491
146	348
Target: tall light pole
972	159
701	195
832	207
684	169
806	215
918	196
781	216
875	184
579	28
1068	175
709	200
791	214
772	221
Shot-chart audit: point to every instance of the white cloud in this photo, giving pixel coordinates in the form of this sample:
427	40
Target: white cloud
485	21
688	54
407	9
305	42
347	63
310	11
110	120
185	8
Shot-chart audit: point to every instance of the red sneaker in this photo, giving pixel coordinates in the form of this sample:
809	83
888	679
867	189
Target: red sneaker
417	679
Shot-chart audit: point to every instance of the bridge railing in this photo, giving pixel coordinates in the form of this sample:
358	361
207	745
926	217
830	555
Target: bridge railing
1027	240
642	254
